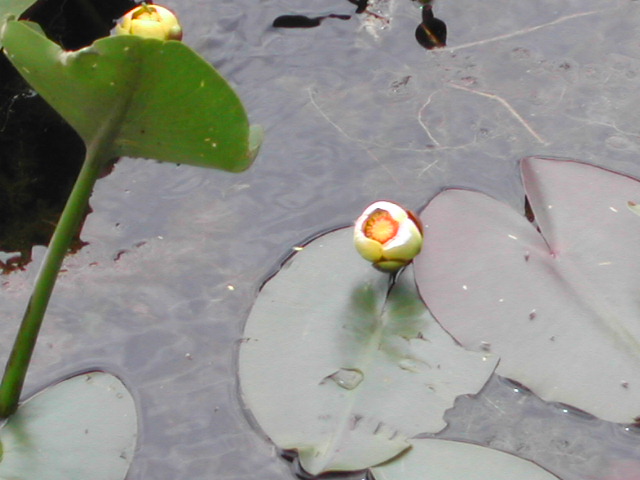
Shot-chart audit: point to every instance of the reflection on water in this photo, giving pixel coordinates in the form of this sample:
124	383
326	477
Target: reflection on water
302	21
40	154
430	33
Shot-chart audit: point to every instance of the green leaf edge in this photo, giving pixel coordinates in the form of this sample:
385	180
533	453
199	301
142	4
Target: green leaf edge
239	144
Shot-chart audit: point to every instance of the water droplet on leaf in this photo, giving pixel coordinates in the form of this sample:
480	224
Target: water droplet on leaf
347	378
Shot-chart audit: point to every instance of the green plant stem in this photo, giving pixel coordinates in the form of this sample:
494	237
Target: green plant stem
74	210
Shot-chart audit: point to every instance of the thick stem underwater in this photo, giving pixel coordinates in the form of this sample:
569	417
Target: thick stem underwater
74	210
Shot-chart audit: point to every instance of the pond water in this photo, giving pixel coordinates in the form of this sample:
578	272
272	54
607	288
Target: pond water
354	111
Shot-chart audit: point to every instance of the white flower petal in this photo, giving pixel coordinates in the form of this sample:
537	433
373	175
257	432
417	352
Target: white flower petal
369	249
406	244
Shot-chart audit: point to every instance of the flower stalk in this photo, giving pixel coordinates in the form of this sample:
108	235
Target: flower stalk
22	351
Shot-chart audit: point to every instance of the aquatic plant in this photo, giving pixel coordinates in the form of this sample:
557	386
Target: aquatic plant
349	367
120	95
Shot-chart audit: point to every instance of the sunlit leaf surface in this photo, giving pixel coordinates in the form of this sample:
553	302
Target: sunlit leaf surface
332	367
560	306
84	427
13	8
433	459
151	98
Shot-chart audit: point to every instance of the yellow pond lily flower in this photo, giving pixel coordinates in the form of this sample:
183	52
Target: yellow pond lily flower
150	21
388	235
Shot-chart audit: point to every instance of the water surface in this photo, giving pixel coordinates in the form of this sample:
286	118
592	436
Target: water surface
354	111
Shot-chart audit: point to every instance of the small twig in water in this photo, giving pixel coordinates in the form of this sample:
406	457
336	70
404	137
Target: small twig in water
506	105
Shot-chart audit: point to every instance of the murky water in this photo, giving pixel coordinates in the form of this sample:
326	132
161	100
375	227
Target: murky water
354	111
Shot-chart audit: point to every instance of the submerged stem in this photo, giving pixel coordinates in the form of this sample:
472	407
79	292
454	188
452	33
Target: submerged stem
74	210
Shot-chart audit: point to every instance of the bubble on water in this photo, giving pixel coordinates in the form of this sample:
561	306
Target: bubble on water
618	142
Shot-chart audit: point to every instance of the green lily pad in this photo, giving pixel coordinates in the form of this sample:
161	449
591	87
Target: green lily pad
150	98
82	428
434	459
13	8
340	369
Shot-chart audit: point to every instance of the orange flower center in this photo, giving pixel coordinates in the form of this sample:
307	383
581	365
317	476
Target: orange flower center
380	226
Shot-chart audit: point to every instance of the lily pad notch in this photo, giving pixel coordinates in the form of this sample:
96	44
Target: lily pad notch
555	299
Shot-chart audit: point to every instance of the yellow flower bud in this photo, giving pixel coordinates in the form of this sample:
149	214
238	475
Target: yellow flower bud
150	21
388	235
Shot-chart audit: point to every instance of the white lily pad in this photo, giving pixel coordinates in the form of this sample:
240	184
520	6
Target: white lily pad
334	368
82	428
434	459
560	306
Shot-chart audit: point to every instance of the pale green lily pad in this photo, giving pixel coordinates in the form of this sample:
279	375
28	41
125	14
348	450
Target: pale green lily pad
434	459
556	300
149	98
82	428
13	8
333	367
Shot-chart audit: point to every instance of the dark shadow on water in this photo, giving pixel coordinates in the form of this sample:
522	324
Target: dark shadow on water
40	155
431	32
302	21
